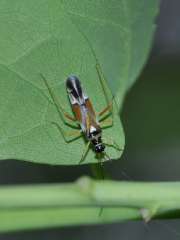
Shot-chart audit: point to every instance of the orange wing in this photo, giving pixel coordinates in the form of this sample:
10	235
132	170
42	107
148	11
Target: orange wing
90	108
85	118
77	111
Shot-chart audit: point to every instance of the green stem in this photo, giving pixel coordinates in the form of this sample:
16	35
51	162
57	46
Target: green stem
23	207
23	219
87	192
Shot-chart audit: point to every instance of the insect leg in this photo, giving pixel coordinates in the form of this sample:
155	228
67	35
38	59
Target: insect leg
106	113
103	82
62	113
74	134
85	151
107	93
106	109
101	76
110	142
108	122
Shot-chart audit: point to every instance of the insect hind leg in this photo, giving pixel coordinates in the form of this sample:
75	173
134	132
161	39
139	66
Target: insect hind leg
107	92
108	110
108	122
110	142
62	113
68	136
101	76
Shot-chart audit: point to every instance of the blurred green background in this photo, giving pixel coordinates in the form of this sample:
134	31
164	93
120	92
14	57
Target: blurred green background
151	119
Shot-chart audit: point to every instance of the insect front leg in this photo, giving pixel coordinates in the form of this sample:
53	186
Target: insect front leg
85	151
110	142
73	135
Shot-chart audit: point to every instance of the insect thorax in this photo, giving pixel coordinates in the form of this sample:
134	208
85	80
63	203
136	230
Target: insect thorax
95	136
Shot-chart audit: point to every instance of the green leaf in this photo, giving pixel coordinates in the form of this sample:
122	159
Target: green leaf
48	37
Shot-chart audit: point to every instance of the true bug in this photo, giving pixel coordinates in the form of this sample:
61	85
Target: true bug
90	122
85	114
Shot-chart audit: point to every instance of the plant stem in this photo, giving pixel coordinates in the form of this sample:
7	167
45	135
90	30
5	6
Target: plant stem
91	193
79	203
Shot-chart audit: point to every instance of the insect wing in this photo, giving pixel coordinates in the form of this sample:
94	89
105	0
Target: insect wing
90	108
75	91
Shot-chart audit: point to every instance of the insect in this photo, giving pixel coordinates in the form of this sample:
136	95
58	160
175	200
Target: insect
90	124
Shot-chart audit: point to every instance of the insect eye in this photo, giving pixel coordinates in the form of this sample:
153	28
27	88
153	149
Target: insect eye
99	148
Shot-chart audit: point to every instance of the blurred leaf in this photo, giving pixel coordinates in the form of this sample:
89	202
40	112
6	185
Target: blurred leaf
46	37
